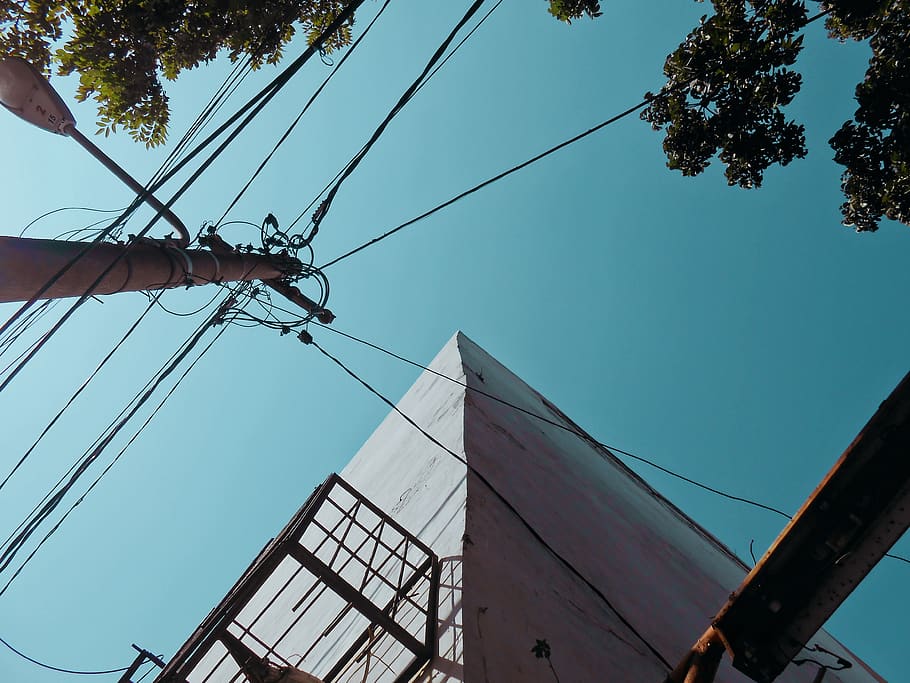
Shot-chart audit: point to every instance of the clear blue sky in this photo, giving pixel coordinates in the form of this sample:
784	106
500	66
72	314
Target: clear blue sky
742	338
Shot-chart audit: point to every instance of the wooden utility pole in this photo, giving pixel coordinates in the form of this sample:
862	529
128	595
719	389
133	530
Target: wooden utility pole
69	269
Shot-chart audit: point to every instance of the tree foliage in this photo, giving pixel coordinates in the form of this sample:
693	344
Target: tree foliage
121	49
567	10
729	80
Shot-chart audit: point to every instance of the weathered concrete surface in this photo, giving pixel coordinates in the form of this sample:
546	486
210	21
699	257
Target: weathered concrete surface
664	575
538	517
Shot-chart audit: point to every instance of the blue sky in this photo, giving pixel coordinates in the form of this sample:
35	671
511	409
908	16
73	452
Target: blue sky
741	338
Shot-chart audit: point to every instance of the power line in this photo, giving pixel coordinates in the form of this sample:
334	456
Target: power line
489	181
457	46
610	450
419	88
42	512
255	104
264	97
527	525
78	391
323	208
60	669
303	111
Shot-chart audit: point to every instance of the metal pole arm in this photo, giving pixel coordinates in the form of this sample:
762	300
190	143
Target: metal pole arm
168	215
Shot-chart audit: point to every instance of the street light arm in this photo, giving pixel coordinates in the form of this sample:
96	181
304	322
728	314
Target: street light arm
168	215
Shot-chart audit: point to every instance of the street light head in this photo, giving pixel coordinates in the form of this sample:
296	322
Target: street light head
26	93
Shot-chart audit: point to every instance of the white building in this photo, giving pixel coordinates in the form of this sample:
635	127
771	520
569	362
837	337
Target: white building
542	544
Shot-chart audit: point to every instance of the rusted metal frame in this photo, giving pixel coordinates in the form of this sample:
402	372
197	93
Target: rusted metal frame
342	542
367	531
393	552
317	583
433	605
380	513
367	574
425	571
349	516
269	649
350	664
249	627
348	593
854	515
366	577
327	534
324	587
702	661
245	587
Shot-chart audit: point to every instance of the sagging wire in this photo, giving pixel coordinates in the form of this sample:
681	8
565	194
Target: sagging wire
223	318
59	669
571	428
55	496
324	206
303	111
66	208
505	501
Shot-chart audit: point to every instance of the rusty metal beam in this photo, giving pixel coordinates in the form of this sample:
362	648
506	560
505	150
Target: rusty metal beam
350	594
848	524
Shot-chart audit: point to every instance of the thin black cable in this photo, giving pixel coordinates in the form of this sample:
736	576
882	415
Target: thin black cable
429	77
66	208
23	325
86	453
60	669
256	103
79	391
10	551
527	525
323	208
489	181
114	461
303	111
581	434
457	46
266	95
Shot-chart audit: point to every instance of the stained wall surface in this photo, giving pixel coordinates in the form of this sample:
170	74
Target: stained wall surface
543	537
551	537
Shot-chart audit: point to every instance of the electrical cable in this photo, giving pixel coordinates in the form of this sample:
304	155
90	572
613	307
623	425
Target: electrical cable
457	46
489	181
81	388
610	450
275	86
67	208
60	669
116	458
419	88
527	525
256	103
22	326
18	540
326	204
303	111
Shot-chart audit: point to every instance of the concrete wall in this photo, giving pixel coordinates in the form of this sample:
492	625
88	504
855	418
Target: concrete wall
664	576
544	537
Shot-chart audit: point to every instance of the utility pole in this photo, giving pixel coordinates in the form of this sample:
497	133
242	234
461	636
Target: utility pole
68	269
32	269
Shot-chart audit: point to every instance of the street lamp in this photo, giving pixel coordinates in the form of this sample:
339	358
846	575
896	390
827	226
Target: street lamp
26	93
